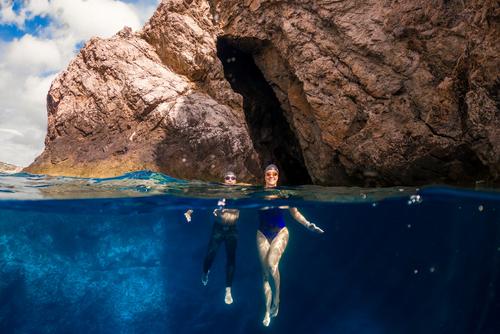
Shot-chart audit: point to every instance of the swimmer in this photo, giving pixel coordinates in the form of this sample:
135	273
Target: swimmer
224	230
272	239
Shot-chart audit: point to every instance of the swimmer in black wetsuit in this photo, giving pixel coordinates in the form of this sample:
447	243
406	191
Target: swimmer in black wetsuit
272	239
224	230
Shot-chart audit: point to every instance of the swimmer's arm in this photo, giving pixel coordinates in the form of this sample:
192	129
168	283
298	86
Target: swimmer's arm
188	213
301	219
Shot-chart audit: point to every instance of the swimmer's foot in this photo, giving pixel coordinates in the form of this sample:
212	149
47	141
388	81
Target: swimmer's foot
228	299
204	278
274	309
267	319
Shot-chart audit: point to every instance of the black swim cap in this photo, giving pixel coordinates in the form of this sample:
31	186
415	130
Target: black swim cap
271	167
229	173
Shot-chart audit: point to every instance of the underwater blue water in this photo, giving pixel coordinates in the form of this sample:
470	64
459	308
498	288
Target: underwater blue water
116	256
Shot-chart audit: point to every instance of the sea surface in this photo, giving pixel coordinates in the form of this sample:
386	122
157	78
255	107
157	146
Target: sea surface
116	255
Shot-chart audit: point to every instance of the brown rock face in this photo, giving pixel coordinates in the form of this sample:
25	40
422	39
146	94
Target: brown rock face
119	107
334	92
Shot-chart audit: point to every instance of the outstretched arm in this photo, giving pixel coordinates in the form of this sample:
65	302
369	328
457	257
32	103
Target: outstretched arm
217	212
188	213
301	219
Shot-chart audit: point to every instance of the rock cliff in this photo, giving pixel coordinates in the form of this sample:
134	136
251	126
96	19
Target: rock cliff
334	92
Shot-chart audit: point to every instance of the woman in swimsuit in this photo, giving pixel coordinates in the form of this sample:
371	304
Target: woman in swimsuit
272	239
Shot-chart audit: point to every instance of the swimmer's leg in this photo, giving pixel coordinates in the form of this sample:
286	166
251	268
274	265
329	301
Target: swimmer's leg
263	247
276	250
231	243
215	240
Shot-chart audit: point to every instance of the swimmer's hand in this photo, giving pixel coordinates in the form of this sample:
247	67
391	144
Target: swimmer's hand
314	228
221	203
187	215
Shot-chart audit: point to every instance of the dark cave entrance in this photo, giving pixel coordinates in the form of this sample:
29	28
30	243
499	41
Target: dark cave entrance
271	134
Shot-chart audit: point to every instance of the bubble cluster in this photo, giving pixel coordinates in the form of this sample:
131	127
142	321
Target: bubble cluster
415	199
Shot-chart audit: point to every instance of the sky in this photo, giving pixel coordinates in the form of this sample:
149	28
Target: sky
38	39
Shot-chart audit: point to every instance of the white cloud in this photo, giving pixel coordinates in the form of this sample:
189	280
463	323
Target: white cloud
85	19
30	63
9	16
36	7
145	9
20	57
12	132
36	87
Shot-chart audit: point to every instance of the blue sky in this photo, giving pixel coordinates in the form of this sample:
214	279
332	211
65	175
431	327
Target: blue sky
10	31
38	38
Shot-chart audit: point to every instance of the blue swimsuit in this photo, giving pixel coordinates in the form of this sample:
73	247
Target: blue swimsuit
271	222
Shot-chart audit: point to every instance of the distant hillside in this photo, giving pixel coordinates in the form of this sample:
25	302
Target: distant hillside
8	168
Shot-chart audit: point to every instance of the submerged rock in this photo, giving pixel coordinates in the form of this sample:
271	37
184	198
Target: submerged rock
361	92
